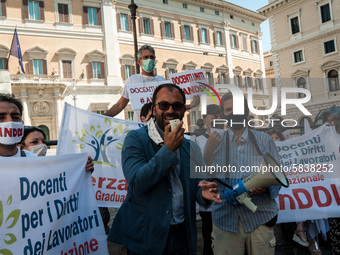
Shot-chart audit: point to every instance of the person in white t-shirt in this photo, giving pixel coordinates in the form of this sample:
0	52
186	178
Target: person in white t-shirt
12	129
147	61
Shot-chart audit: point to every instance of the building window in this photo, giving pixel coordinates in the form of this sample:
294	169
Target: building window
96	70
258	83
185	6
301	83
254	46
295	26
217	13
167	29
63	13
67	69
325	13
146	26
231	16
220	55
2	64
298	56
201	9
165	1
204	35
219	38
187	33
124	22
238	81
234	41
130	114
38	67
128	71
333	80
253	24
270	63
92	16
101	112
244	43
273	82
205	53
329	46
249	82
33	10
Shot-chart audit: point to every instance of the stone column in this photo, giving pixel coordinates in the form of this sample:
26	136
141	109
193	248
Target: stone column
25	114
110	42
228	51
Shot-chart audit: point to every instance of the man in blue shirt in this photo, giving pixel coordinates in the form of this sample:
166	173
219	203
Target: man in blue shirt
236	229
158	214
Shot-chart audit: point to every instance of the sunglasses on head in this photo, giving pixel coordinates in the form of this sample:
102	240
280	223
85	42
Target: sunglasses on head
177	106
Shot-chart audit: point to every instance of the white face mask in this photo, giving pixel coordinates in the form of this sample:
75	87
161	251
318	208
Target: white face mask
39	150
11	132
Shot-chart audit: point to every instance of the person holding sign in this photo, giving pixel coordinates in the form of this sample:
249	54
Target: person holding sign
236	229
158	214
12	130
146	59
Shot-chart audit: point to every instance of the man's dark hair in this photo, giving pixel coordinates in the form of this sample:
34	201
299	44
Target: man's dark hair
11	99
145	110
171	87
145	47
228	96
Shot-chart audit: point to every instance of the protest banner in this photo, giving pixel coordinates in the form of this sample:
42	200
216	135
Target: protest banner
192	82
311	163
48	206
141	93
102	138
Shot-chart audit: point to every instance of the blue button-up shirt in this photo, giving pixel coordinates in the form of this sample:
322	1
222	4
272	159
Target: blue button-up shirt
225	215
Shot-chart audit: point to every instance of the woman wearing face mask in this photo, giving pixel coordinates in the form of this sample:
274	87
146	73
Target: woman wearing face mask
34	141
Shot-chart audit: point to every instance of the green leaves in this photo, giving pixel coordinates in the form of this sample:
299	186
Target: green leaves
11	219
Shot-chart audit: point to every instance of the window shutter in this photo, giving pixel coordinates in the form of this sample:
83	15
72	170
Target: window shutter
208	36
85	16
99	16
182	32
122	71
223	38
231	40
61	12
118	21
257	46
199	35
6	63
175	71
102	70
89	71
162	29
24	9
219	78
211	79
3	8
44	64
129	21
244	41
252	46
140	25
41	11
133	70
191	34
237	43
152	30
215	37
66	14
30	66
172	25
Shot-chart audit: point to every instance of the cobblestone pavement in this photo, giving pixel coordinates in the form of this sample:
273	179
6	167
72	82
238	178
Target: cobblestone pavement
283	246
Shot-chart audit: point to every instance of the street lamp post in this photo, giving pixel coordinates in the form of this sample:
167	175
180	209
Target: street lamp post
133	7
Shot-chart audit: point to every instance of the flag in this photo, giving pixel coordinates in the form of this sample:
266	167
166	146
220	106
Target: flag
16	50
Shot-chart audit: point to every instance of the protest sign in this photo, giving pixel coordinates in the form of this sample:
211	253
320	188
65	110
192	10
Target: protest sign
47	206
102	138
311	163
141	93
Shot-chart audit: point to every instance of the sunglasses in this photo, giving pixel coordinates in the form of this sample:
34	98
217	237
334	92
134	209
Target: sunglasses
177	106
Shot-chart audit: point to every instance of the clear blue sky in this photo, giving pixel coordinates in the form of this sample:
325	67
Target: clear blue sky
254	5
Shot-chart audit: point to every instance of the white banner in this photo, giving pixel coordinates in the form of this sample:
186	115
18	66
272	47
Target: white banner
47	206
102	138
312	165
141	93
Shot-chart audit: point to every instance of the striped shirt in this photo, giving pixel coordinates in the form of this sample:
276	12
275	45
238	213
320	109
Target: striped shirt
225	215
